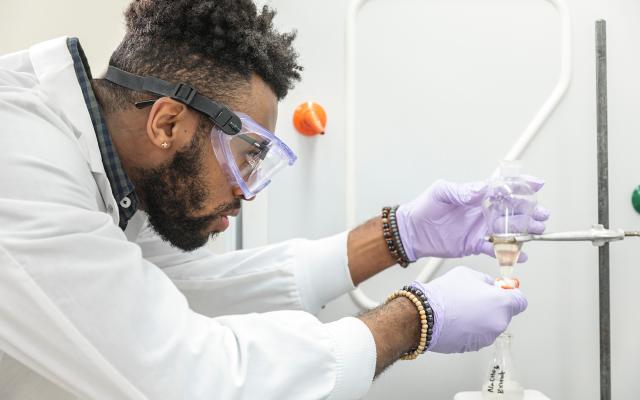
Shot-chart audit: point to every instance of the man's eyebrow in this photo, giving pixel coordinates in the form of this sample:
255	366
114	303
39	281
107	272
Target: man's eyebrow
255	143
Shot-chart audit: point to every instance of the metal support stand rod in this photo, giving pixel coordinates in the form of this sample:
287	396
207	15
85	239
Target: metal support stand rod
603	208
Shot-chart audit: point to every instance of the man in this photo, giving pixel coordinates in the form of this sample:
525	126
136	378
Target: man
111	186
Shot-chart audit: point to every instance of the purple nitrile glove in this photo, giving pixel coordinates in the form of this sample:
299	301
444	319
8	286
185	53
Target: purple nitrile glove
446	221
469	311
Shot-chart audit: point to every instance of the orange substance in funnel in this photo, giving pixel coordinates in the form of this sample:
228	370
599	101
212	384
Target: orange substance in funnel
310	119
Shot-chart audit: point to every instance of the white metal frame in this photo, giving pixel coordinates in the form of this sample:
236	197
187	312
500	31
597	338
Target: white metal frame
516	151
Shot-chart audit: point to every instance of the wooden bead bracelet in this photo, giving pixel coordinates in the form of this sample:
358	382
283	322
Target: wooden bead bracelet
425	337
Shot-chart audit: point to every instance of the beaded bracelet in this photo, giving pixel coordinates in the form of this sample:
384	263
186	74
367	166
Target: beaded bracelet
391	236
428	310
425	338
396	234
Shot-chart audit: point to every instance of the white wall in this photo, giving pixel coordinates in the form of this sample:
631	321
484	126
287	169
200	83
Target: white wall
98	24
463	78
444	88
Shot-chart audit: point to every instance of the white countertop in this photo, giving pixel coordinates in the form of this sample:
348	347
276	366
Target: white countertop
528	395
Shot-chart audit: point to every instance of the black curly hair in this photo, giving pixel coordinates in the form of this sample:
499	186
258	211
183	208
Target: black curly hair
213	45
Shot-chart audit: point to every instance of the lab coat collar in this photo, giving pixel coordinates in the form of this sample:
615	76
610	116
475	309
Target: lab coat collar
53	66
54	69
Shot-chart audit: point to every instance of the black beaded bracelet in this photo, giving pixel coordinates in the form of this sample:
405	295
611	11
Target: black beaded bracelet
392	236
396	234
429	311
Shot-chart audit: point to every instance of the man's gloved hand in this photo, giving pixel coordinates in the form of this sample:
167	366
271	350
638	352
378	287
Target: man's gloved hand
446	221
469	311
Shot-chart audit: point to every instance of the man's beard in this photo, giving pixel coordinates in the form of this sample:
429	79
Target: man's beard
173	191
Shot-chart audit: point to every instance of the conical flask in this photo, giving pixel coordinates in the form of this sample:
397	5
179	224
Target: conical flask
502	383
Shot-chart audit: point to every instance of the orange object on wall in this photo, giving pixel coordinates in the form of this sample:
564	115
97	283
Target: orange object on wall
310	119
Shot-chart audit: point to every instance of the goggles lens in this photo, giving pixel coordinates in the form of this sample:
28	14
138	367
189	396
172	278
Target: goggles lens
251	157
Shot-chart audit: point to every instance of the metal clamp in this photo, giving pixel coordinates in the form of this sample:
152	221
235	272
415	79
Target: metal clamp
598	235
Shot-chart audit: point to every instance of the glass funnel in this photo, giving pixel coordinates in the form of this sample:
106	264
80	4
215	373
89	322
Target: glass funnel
507	209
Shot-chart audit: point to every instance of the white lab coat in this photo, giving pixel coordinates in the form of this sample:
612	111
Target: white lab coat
88	311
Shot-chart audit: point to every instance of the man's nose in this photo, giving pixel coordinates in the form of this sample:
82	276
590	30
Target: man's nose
237	192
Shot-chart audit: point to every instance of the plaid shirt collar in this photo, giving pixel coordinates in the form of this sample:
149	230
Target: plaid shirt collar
121	186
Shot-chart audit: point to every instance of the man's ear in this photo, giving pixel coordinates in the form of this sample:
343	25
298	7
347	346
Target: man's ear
170	124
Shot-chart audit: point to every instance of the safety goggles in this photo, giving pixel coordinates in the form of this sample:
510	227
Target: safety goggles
251	157
248	154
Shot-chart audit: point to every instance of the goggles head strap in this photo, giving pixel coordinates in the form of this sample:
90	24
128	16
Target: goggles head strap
222	117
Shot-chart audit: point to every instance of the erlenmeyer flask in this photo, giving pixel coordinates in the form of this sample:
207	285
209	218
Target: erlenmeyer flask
502	383
507	208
